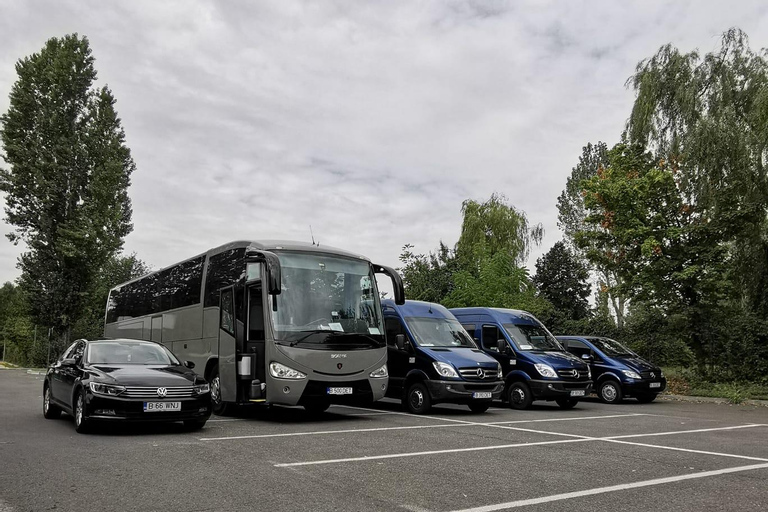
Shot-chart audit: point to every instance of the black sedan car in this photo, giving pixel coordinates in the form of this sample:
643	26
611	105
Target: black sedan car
124	380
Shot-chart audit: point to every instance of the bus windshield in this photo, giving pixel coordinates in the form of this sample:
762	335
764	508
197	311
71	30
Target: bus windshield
327	300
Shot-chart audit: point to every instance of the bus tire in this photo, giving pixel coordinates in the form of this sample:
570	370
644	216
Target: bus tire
217	405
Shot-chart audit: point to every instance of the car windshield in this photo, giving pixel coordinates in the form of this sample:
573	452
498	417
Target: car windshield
610	347
439	332
129	352
327	300
528	337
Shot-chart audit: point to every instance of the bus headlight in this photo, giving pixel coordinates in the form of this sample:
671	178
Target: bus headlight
280	371
381	372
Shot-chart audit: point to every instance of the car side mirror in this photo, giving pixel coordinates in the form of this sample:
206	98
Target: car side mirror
189	364
400	341
69	362
587	357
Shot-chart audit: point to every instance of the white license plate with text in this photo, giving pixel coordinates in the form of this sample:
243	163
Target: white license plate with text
578	392
339	391
161	406
481	394
654	385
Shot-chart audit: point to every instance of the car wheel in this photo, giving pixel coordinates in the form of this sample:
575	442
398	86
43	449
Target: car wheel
417	399
218	406
50	410
82	423
519	395
479	407
192	425
566	403
646	398
610	392
316	407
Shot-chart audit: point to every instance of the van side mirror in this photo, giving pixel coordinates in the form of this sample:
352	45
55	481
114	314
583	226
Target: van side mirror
587	357
400	341
502	345
189	364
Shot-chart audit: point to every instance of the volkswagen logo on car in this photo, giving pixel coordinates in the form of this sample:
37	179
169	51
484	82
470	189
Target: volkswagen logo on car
161	392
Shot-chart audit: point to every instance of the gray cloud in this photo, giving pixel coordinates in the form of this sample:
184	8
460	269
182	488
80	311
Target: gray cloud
370	121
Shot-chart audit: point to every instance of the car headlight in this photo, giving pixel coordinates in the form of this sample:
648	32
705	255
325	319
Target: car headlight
631	374
201	389
445	370
545	370
380	373
280	371
106	389
499	370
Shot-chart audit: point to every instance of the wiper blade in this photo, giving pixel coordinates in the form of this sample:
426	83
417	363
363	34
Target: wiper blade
309	333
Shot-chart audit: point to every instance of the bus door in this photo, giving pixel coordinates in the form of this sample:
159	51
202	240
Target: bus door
254	360
227	345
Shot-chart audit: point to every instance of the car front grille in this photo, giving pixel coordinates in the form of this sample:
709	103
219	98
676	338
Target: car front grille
573	374
471	374
150	392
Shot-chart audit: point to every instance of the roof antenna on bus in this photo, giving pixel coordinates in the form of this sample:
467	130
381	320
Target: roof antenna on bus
313	236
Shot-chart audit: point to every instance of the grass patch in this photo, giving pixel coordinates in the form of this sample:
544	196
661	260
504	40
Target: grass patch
7	365
684	381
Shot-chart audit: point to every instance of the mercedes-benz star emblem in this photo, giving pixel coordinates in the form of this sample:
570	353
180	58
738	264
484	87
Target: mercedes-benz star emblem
480	373
653	375
161	392
575	373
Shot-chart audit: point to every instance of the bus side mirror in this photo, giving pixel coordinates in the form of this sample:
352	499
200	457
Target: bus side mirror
272	267
400	341
397	282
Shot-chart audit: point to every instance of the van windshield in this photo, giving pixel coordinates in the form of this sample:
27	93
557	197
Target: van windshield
610	347
529	337
439	332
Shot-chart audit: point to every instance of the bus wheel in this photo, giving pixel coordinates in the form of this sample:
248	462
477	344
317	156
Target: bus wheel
316	407
217	405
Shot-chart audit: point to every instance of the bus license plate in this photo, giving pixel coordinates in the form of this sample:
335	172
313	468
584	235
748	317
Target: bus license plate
339	391
481	394
161	406
654	385
578	392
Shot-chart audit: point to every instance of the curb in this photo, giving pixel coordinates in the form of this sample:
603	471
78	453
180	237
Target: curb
712	400
36	372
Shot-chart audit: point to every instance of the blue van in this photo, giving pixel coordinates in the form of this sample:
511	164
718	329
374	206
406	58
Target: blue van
432	359
618	371
535	364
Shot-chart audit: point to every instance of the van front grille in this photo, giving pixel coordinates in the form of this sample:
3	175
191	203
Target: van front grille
472	373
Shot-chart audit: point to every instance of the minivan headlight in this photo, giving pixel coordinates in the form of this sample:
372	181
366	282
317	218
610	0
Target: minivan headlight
106	389
445	370
380	373
631	374
499	370
589	372
280	371
545	370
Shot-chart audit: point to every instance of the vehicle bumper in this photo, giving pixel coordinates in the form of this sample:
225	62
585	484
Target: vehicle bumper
460	392
114	409
641	387
553	389
364	391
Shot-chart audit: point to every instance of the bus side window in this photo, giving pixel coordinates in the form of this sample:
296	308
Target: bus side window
226	320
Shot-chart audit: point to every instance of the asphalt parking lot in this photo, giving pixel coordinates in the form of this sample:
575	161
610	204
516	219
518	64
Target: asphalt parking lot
660	456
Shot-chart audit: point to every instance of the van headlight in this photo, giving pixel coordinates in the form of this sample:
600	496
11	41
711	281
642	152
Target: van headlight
445	370
499	370
589	372
380	373
631	374
545	370
106	389
280	371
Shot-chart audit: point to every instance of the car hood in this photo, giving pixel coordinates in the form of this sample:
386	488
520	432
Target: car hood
637	364
557	360
460	357
135	375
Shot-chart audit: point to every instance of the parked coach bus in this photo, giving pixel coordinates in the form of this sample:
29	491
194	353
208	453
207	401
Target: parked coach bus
270	321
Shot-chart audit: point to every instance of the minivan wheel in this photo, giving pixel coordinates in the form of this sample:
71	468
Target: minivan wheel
519	395
417	399
82	424
218	406
646	398
610	392
50	411
479	407
566	403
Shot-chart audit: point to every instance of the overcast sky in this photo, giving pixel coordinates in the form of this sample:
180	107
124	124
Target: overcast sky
371	121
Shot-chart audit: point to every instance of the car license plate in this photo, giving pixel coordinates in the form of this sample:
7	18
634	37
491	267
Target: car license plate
339	391
481	394
578	392
654	385
161	406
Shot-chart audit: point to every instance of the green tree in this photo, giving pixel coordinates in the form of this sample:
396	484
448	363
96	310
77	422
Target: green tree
562	279
66	185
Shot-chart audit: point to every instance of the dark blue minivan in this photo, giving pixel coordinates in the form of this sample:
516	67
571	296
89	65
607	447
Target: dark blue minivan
618	372
535	365
432	359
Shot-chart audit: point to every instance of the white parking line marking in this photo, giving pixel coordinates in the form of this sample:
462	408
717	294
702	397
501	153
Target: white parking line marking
689	450
612	488
574	418
674	432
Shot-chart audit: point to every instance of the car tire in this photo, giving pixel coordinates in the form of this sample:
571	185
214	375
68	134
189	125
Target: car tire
50	410
519	395
417	399
316	407
193	425
610	392
82	423
646	398
479	407
566	403
217	406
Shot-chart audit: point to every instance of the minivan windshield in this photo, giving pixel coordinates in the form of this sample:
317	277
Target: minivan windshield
529	337
610	347
439	332
129	352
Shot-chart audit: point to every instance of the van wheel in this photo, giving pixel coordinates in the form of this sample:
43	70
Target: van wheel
519	395
566	403
610	392
218	406
417	399
646	398
480	407
50	411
